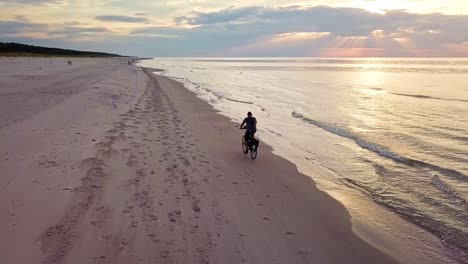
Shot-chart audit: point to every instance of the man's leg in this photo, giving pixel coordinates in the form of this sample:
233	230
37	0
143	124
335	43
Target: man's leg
252	139
247	139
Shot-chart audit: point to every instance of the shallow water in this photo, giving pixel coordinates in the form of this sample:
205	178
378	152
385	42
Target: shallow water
394	129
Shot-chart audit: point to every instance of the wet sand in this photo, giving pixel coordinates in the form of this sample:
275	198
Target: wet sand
103	162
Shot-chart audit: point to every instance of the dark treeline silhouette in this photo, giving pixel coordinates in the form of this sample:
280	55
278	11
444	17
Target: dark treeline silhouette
17	48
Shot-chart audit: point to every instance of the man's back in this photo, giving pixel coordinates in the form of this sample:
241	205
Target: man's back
251	124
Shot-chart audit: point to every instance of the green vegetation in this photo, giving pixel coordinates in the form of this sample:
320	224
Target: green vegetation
22	50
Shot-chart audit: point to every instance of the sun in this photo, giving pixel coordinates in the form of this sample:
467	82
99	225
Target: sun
375	10
374	6
380	6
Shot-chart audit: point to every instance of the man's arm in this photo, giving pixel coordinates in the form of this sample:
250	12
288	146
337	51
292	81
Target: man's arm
242	124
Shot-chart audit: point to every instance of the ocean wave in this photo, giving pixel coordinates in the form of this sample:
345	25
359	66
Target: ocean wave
238	101
461	138
223	96
451	236
451	129
375	88
199	88
195	87
345	68
447	190
379	149
216	94
339	61
430	97
274	132
332	128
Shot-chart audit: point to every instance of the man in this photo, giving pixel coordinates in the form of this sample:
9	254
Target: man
251	127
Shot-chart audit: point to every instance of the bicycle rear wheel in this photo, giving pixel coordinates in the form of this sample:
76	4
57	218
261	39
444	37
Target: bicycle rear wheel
244	145
253	152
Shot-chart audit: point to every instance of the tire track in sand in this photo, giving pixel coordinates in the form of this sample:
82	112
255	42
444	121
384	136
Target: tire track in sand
171	231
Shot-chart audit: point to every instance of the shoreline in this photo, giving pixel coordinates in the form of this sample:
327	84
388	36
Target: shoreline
108	163
377	225
290	180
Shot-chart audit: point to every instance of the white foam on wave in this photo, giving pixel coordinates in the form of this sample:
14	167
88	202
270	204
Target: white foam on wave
447	190
337	130
381	150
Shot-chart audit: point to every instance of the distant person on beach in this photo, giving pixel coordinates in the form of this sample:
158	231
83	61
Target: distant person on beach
251	126
128	62
69	63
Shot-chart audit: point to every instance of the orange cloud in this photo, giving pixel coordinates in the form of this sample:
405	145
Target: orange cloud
460	49
298	36
352	52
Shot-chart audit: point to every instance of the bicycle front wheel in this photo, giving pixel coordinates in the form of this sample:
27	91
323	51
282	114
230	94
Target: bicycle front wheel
244	145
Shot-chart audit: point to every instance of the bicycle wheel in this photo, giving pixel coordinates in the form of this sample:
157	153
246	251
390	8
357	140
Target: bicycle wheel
244	145
253	152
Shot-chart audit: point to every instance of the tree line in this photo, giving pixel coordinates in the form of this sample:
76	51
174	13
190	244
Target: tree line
18	48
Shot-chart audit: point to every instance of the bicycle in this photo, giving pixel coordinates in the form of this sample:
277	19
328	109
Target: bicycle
252	147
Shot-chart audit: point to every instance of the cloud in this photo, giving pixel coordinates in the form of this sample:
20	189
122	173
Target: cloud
226	15
458	48
74	30
32	2
343	21
373	32
264	31
161	30
126	19
21	29
21	18
14	27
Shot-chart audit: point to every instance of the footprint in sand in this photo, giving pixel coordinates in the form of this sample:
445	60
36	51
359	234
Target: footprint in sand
164	253
106	237
125	211
174	215
304	252
123	245
196	207
153	217
48	164
132	161
153	238
100	259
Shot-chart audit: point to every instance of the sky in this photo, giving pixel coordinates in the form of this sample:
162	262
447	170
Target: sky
246	28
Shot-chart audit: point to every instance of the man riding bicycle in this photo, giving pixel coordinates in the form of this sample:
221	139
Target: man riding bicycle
251	127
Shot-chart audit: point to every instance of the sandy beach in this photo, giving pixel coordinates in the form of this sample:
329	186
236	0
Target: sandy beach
102	162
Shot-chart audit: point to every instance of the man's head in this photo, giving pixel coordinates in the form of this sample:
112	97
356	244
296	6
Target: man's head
249	114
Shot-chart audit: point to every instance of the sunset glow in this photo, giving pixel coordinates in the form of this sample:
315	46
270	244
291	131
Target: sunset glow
188	28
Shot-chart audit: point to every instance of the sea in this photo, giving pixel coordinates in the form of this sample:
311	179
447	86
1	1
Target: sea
393	129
